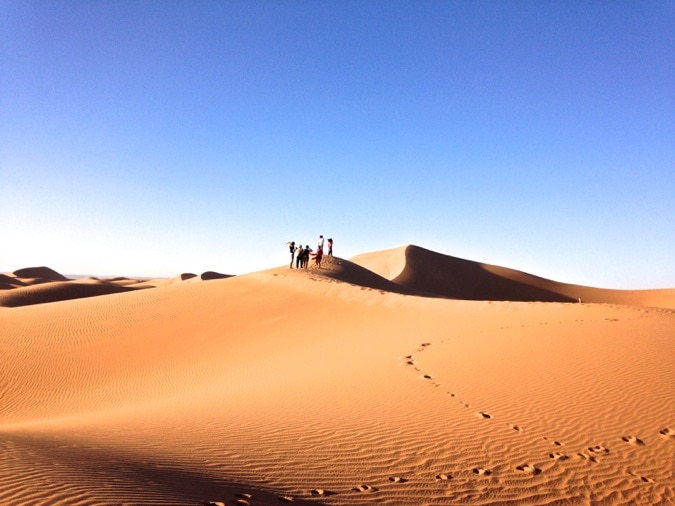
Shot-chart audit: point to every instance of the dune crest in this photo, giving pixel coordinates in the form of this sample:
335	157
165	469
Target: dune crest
425	271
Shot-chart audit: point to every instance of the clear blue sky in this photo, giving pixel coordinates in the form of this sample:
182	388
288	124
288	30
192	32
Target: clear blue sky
154	138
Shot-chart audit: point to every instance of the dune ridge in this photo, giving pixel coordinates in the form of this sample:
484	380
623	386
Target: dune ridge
425	271
334	386
41	285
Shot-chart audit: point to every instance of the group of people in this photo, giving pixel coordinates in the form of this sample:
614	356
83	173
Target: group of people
301	254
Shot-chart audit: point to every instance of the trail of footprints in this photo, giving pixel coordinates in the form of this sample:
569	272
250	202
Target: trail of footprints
592	453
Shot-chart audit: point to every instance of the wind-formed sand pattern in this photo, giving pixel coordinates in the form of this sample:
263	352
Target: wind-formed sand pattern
403	377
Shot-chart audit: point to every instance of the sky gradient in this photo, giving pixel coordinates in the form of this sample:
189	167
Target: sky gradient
154	138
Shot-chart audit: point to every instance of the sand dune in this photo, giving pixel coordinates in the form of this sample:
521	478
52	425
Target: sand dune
335	386
422	270
9	282
39	274
42	291
210	275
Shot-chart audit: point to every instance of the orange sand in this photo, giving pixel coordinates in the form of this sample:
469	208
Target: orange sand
360	383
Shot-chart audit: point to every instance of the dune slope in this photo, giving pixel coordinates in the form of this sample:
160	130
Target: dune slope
422	270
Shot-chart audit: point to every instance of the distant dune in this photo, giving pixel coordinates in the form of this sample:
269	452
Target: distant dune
40	285
210	275
57	291
382	380
9	282
425	271
40	274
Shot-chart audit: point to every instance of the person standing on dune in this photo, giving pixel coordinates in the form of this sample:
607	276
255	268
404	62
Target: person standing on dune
318	257
320	245
305	256
330	246
291	246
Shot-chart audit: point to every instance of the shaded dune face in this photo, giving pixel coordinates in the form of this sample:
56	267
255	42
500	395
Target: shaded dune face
40	274
457	278
209	275
419	271
9	282
350	272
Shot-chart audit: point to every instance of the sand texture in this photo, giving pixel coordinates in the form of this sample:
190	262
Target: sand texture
403	377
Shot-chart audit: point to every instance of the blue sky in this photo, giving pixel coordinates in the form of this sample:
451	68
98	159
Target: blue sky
154	138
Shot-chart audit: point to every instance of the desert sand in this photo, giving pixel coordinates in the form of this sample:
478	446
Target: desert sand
401	377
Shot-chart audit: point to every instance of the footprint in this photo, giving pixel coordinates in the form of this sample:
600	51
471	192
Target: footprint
214	503
557	443
481	471
485	415
317	492
424	345
516	428
598	449
364	488
529	469
443	476
633	440
451	394
585	456
245	496
428	376
667	432
286	498
397	479
643	478
558	456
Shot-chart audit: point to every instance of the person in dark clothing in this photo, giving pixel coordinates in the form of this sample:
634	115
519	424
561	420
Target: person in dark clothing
298	257
305	256
330	247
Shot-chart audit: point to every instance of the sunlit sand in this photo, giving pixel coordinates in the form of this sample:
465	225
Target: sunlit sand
401	377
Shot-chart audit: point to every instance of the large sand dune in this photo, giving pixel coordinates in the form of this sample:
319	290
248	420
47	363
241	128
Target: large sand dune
422	270
345	385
